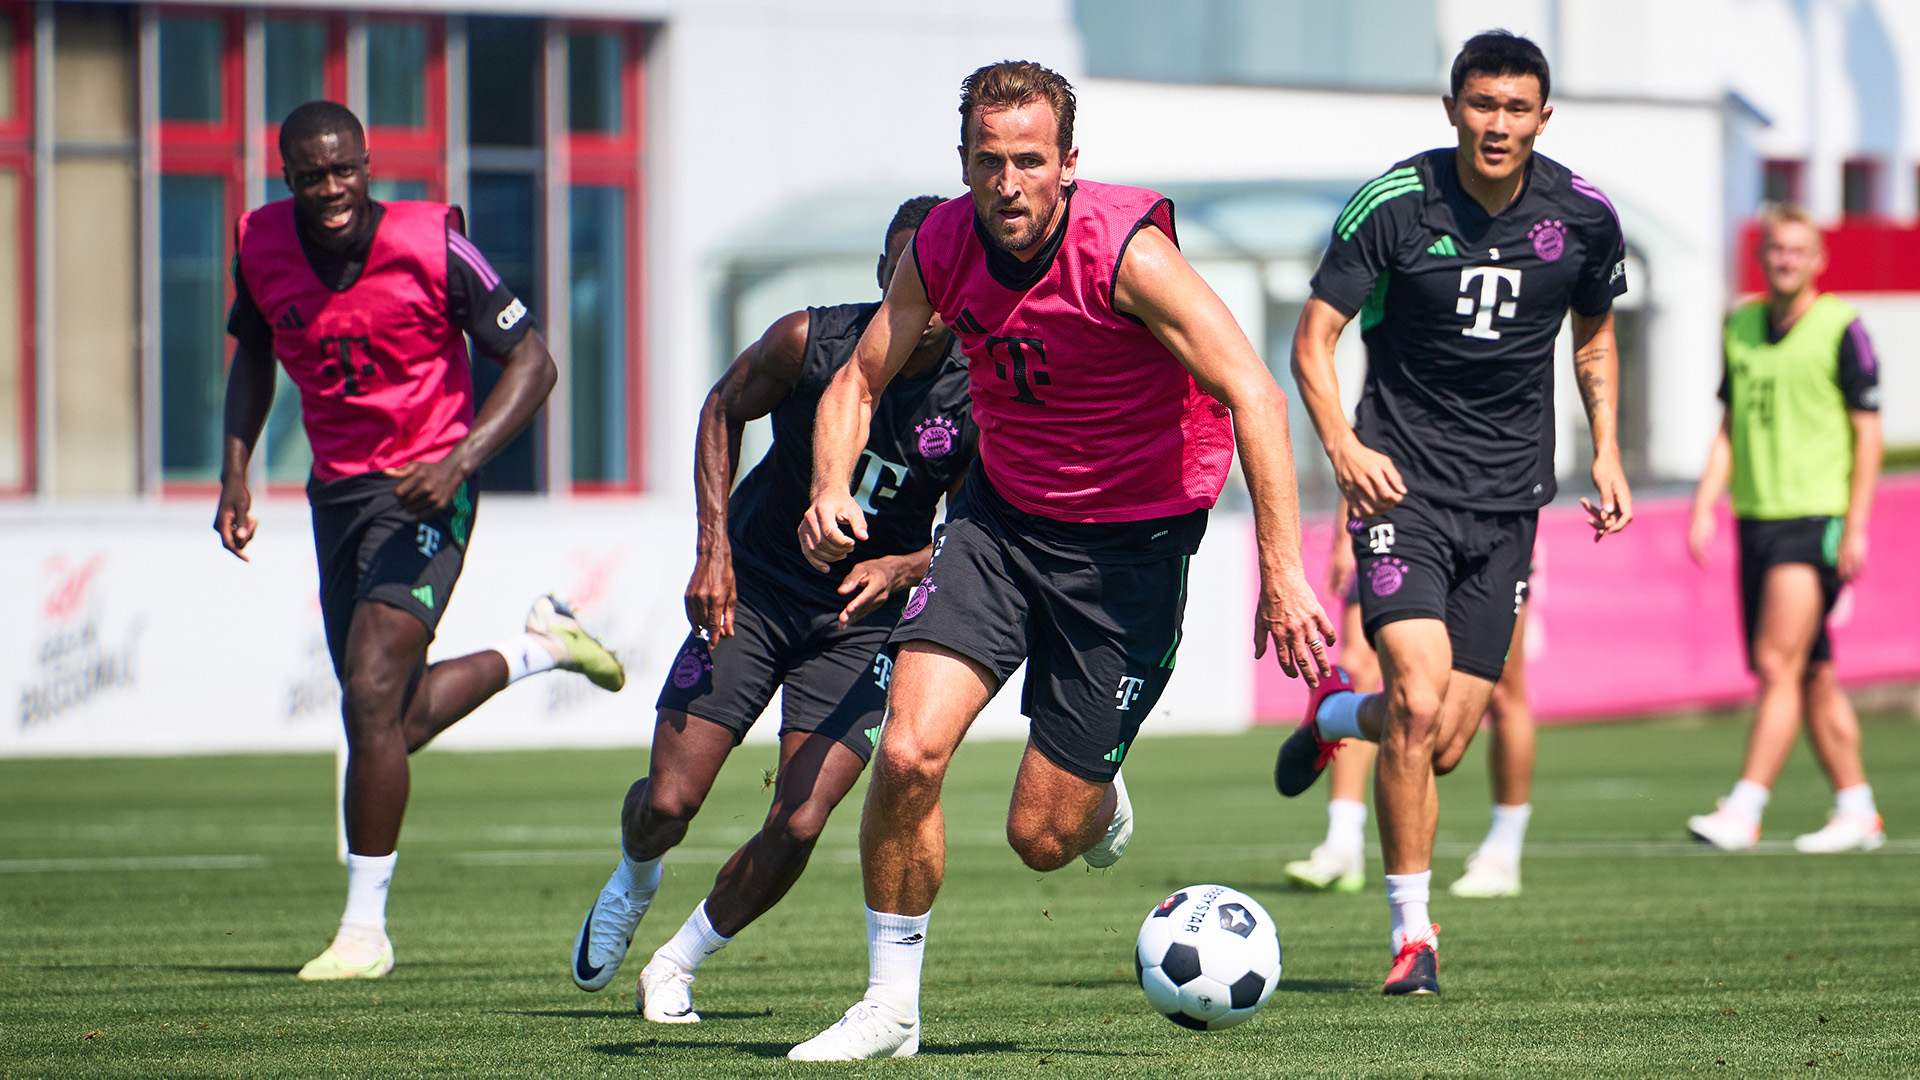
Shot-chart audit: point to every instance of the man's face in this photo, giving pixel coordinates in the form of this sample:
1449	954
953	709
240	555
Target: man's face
1791	255
896	250
1497	118
1013	167
327	175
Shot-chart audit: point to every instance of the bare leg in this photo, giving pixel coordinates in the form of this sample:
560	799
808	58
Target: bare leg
816	772
1790	604
385	659
451	690
903	845
1512	748
686	757
1832	727
1055	816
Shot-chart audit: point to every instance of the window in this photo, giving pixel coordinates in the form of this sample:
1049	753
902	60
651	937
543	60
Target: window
407	108
503	81
190	67
1363	43
296	65
396	74
1860	187
1780	180
597	314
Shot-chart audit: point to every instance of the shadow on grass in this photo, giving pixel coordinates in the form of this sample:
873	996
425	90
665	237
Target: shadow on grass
766	1050
1320	986
1093	984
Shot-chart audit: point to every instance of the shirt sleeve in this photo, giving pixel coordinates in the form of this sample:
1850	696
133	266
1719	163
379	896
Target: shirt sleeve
244	320
1859	369
479	302
1604	275
1357	254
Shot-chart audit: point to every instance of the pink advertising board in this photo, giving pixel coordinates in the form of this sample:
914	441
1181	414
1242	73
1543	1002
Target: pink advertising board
1631	625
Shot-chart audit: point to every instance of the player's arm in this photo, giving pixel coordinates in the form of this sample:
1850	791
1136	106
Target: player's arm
1868	447
1369	482
1706	494
869	584
1157	286
834	522
1596	367
757	381
1340	561
249	398
526	378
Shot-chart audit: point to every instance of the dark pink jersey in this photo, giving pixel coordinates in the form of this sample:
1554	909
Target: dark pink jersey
1084	415
383	373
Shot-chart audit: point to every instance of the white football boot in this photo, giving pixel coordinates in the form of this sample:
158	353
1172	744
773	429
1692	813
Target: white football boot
666	993
572	647
356	952
1119	830
1488	876
868	1030
1329	868
607	932
1843	832
1724	830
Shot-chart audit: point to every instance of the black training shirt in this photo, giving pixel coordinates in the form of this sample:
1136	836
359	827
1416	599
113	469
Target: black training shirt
476	295
1459	311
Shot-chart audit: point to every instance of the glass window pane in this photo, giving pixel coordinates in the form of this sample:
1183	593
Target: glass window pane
397	74
296	65
289	457
190	48
593	82
192	325
6	65
503	67
502	225
12	438
93	72
599	333
393	190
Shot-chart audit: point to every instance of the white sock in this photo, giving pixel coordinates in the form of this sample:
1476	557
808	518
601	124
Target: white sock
1407	897
643	878
694	942
526	655
1346	824
1339	716
1856	800
895	946
1747	801
367	879
1508	832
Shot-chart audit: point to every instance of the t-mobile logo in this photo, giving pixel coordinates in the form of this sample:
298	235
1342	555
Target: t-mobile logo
1024	355
1380	538
1489	303
1129	691
877	478
882	670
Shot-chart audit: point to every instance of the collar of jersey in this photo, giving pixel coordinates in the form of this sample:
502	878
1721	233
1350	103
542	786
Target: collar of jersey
1010	272
1446	181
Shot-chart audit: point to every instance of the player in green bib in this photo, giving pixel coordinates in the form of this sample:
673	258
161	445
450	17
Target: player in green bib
1800	442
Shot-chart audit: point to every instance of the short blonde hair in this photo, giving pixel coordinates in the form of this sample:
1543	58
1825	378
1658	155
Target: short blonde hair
1775	214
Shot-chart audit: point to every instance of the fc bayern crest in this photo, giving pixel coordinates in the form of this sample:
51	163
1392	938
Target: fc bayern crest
937	437
917	599
1387	576
1549	239
692	664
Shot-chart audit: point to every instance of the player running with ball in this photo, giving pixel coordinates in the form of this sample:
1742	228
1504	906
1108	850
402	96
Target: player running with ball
1462	264
1104	371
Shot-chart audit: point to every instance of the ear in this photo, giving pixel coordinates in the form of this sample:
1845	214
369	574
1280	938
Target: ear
1546	114
880	272
962	151
1446	103
1068	164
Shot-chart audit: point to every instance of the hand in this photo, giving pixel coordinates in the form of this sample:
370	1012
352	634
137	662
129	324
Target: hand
1340	562
1853	553
1301	632
710	595
832	525
871	583
1368	479
233	520
1700	534
1615	508
427	487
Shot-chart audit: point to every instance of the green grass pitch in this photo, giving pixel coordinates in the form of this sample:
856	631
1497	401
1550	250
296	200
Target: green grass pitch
153	912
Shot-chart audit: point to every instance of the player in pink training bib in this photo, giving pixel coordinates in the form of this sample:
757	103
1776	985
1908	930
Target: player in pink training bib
365	305
1110	385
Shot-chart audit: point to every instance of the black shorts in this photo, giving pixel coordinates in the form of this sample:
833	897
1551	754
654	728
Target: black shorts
371	549
1098	638
1467	568
1767	544
835	678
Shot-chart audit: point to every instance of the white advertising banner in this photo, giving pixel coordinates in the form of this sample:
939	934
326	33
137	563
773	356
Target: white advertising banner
130	631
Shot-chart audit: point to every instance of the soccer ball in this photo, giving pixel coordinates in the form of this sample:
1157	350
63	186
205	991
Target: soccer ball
1208	957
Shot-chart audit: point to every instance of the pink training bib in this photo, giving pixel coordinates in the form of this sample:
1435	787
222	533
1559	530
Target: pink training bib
1084	415
383	373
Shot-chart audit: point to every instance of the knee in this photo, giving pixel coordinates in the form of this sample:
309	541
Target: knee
1779	667
664	806
1415	715
907	768
1039	846
1449	756
797	826
370	699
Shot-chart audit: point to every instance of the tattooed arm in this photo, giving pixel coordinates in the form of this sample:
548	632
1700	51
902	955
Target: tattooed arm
1596	366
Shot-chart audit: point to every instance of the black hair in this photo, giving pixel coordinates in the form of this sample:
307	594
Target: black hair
911	214
317	118
1500	52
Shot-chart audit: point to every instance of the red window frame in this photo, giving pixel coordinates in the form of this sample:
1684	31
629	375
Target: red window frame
612	159
333	78
404	153
16	155
212	148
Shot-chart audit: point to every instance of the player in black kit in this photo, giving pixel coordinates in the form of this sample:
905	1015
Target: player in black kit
1461	264
764	620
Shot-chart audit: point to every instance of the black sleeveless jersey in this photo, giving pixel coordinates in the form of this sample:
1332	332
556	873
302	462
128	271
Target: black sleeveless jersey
921	439
1459	310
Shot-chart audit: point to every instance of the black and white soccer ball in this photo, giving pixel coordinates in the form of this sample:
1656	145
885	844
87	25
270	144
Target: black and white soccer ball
1208	957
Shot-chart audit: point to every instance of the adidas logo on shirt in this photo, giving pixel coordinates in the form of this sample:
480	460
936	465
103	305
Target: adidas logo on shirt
291	320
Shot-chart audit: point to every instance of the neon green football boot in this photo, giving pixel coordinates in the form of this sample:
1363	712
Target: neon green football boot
572	647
